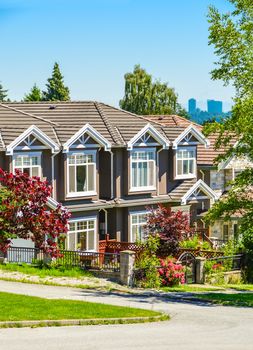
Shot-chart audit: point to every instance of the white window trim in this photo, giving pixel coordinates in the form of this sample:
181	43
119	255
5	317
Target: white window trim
132	213
84	193
143	188
28	154
186	176
88	218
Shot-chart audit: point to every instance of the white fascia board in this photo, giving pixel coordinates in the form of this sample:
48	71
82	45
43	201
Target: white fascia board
153	132
195	132
87	128
200	184
36	132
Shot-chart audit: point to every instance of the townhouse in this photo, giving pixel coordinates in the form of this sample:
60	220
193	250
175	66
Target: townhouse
217	177
108	166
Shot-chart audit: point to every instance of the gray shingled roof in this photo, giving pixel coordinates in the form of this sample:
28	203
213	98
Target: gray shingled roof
61	120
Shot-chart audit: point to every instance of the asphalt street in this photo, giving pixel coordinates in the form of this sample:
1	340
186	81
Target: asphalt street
193	325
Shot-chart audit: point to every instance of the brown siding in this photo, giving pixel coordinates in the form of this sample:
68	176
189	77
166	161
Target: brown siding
163	168
104	174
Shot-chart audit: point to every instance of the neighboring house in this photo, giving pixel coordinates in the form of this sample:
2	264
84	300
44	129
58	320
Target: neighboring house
107	166
216	177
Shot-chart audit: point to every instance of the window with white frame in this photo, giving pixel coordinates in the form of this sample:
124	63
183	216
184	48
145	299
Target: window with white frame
81	173
28	163
185	163
143	169
138	223
82	235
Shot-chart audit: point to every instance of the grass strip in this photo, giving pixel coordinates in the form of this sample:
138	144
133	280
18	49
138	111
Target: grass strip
16	307
73	272
237	299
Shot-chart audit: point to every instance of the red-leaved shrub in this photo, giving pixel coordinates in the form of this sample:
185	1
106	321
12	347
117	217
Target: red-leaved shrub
171	274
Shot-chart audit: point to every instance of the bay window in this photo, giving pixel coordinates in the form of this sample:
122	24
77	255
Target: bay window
81	173
82	235
138	222
143	169
185	163
28	163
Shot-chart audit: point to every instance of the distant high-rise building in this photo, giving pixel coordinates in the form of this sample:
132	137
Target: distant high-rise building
214	107
192	105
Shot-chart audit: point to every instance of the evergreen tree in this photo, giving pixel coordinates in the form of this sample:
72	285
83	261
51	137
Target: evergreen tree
145	96
34	95
3	94
56	90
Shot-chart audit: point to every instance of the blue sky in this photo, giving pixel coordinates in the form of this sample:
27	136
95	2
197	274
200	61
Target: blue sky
97	41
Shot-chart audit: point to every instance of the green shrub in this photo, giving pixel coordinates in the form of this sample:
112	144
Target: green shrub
146	264
195	243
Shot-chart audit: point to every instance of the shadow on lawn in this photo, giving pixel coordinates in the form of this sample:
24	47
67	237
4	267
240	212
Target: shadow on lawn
149	298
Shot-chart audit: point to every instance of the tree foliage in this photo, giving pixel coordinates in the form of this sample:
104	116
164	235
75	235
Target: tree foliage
24	212
232	37
144	96
3	93
172	228
56	90
34	95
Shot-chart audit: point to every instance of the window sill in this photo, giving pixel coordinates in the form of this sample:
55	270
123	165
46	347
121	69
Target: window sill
81	194
142	189
185	177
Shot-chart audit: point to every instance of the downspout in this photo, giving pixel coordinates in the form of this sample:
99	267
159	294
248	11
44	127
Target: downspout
203	174
157	171
112	192
52	164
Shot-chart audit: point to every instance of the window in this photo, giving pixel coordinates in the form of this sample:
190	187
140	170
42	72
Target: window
143	170
185	163
82	173
138	223
82	235
28	163
225	232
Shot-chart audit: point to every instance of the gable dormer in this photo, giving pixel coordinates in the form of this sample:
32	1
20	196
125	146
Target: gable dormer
32	139
148	137
191	136
86	137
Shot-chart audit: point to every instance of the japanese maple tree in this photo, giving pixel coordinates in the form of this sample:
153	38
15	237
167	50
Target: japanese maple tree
171	226
24	212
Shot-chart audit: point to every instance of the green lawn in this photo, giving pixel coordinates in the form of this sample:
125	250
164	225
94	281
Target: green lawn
238	299
15	307
74	272
192	288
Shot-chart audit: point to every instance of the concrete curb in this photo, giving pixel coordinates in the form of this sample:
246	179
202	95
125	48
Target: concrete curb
82	322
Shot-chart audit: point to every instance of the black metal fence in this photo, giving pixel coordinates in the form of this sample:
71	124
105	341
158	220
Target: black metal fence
68	258
228	263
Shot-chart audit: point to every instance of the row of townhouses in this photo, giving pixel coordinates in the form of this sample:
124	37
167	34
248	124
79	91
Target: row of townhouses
107	166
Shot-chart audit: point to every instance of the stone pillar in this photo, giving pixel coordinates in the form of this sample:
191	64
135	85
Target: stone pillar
127	258
200	276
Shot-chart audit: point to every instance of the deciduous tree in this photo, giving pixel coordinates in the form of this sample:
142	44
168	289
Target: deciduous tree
232	37
172	227
144	96
24	212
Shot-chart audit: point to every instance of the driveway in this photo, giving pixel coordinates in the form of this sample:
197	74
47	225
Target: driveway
193	326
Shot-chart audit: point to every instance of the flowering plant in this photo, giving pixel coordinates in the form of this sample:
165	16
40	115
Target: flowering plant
24	212
171	273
